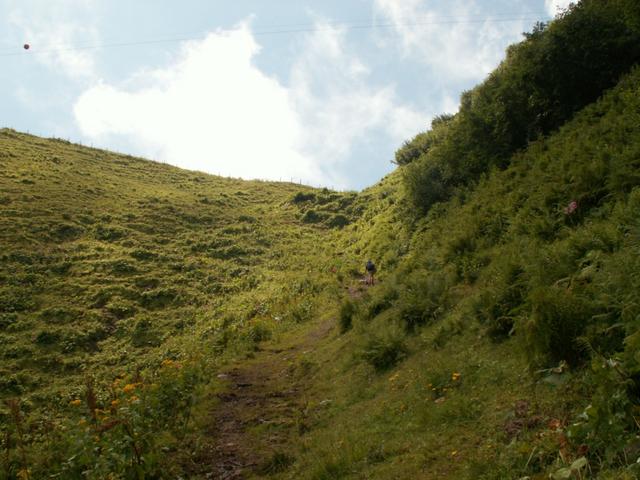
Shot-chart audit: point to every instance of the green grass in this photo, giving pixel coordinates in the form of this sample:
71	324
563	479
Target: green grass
112	264
500	286
501	339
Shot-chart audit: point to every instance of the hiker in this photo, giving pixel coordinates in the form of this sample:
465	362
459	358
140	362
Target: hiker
371	270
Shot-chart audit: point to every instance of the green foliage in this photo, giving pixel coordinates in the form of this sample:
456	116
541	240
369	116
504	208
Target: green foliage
608	423
311	216
304	197
535	90
259	332
348	310
557	319
502	299
531	231
384	348
278	463
146	262
423	299
380	300
145	334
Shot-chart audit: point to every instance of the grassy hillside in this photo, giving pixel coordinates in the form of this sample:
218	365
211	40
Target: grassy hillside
112	265
157	323
503	343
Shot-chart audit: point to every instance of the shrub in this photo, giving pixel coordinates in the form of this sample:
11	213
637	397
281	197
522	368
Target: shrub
143	254
144	334
13	300
381	300
536	89
122	267
423	299
47	337
558	318
121	308
311	216
259	332
277	463
348	310
302	311
60	315
67	231
338	221
384	349
304	197
7	319
109	234
159	298
503	297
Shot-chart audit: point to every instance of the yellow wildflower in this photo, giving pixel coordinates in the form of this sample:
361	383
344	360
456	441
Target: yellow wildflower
455	376
115	403
134	398
129	387
75	402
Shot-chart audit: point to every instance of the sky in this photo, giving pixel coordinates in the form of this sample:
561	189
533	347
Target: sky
318	92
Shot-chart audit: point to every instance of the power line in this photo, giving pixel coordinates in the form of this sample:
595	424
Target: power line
288	29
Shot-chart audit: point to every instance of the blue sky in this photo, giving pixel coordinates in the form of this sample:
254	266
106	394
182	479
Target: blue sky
318	92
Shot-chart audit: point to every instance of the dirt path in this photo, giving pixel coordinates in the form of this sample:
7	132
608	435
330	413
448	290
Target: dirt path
260	410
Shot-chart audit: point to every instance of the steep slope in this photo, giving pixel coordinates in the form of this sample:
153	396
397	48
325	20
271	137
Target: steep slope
504	344
115	269
156	323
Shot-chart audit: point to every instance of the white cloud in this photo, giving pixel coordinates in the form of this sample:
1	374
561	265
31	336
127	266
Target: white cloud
331	91
215	111
555	6
47	27
450	37
212	111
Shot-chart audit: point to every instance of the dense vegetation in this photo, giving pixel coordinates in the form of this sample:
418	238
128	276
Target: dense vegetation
526	240
501	340
557	70
114	268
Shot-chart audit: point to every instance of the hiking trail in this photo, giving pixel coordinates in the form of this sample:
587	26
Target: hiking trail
260	408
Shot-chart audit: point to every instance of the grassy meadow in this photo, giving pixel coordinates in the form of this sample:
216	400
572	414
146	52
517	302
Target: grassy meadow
501	339
112	265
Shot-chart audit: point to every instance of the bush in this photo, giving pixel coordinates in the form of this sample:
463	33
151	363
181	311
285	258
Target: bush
47	337
311	216
381	300
160	298
109	234
348	310
304	197
66	232
302	311
558	318
259	332
423	299
338	221
384	349
503	297
144	334
143	254
536	89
